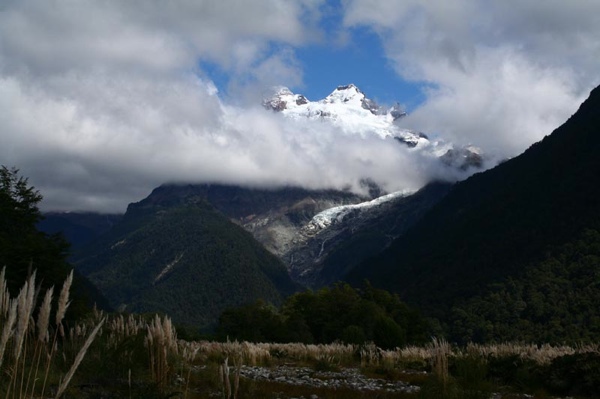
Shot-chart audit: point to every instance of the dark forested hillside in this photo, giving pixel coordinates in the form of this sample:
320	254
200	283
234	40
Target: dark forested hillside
369	315
237	202
503	225
360	241
79	228
187	260
24	248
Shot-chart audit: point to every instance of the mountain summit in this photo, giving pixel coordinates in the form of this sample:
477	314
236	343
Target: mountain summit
348	109
348	95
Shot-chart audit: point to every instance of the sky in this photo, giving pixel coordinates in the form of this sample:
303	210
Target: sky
100	102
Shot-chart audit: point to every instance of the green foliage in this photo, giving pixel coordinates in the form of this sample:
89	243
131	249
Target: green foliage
387	333
484	260
516	371
468	379
471	373
330	314
569	375
257	322
553	300
187	261
577	374
353	335
24	248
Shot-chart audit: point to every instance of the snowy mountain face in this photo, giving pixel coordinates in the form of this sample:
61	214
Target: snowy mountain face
324	248
326	218
346	107
304	227
352	112
307	244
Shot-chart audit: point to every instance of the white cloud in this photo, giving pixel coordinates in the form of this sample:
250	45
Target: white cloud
101	101
501	74
58	35
98	142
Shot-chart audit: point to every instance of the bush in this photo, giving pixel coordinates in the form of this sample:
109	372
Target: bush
577	374
353	335
471	373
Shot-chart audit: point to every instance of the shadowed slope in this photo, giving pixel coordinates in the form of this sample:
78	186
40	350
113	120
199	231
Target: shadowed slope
186	260
496	223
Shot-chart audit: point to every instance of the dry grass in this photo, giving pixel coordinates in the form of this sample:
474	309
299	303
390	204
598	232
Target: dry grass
370	355
161	341
25	353
42	357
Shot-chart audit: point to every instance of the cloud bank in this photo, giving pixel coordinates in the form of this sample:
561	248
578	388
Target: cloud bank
500	75
102	101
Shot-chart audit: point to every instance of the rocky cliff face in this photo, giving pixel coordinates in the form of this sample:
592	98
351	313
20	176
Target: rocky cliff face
337	239
311	231
273	216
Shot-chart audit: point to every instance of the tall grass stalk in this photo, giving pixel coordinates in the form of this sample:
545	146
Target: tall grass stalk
161	341
441	349
24	343
4	295
8	328
63	304
225	381
25	301
78	359
42	337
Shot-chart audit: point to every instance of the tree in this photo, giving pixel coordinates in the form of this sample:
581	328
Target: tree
256	322
18	201
23	248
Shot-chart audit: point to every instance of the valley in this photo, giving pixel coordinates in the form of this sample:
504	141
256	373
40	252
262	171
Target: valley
235	262
425	245
308	199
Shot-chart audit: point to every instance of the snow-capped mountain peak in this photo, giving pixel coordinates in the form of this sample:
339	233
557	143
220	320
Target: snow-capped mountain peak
283	99
348	96
347	107
353	113
345	94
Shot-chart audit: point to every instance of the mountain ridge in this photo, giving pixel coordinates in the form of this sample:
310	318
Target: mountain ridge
186	260
348	109
495	223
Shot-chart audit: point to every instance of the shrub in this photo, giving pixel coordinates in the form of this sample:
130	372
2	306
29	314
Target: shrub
577	374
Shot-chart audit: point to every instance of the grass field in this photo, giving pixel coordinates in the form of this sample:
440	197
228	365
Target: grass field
134	356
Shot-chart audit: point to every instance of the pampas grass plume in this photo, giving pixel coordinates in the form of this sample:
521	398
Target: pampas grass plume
25	307
44	315
78	359
8	326
63	299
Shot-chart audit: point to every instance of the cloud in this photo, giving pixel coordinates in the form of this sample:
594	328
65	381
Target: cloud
148	34
100	141
499	75
102	101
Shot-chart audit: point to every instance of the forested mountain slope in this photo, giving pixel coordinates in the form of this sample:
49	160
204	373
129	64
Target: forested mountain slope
25	249
505	225
186	260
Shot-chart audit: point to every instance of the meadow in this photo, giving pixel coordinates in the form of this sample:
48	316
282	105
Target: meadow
43	355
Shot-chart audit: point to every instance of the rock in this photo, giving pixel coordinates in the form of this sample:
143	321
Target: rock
345	378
